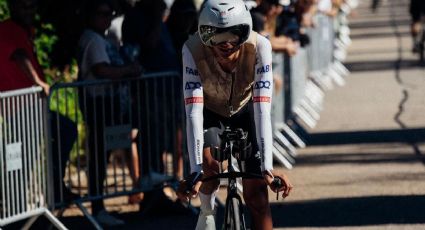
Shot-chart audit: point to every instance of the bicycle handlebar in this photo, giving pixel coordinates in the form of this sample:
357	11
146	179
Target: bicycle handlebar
233	175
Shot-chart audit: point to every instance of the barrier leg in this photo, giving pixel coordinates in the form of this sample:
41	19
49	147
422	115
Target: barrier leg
30	222
278	136
305	117
89	217
278	154
54	220
294	137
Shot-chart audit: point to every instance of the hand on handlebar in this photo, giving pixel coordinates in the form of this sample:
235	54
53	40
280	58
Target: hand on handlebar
189	187
278	182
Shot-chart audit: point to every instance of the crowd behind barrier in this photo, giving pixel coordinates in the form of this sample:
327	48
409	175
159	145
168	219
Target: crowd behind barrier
307	76
110	110
109	159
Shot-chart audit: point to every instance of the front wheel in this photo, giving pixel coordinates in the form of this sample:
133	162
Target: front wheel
234	215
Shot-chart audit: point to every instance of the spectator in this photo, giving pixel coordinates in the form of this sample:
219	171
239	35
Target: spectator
19	65
265	17
95	63
264	22
20	69
119	56
143	26
305	9
182	21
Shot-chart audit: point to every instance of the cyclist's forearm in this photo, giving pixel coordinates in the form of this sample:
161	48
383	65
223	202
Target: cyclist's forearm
195	142
194	104
262	96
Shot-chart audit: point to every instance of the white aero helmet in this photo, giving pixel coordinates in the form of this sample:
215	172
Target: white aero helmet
224	21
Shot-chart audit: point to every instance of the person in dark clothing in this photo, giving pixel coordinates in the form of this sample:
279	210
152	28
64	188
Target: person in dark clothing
143	26
182	21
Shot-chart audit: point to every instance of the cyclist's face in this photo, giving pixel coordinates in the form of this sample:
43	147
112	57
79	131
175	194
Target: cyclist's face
225	49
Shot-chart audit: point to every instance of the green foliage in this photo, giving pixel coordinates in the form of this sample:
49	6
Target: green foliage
44	42
4	11
65	101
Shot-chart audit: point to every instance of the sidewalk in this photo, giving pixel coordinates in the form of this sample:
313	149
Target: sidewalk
355	183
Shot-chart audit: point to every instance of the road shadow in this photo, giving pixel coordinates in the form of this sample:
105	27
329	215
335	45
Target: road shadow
356	158
369	66
376	35
162	217
375	24
358	211
366	136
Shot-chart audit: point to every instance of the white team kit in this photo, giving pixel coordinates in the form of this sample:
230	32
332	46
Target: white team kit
256	89
228	81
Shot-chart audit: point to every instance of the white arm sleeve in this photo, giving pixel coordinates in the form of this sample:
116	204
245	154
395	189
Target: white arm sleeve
194	104
262	96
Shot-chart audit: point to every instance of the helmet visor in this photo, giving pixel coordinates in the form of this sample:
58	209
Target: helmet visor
213	36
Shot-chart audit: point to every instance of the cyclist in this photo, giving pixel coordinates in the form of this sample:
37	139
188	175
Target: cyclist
228	80
417	10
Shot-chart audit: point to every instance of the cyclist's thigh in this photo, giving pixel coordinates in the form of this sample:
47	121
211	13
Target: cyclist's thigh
255	193
245	120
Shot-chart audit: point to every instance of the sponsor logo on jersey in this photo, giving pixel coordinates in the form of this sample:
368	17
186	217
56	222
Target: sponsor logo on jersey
198	152
262	84
194	100
261	99
192	85
191	71
263	69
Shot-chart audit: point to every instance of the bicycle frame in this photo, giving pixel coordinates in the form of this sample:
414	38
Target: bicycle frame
234	216
232	192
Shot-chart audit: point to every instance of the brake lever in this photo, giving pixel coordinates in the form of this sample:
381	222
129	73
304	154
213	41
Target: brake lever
277	182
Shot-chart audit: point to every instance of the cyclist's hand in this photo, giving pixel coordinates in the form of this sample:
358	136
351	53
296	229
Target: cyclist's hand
285	187
189	187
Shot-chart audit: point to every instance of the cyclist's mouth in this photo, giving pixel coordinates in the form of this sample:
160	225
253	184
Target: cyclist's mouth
226	51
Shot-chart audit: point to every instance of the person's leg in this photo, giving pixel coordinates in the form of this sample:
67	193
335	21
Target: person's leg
207	192
255	191
95	123
415	27
64	133
178	156
255	194
132	159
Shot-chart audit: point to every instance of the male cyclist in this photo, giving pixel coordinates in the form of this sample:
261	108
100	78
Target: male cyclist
228	80
417	10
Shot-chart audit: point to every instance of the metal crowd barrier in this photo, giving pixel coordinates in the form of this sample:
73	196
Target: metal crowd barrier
307	76
23	165
105	147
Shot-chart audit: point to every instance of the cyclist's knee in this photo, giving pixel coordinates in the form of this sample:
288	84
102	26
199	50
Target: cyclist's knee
256	197
210	186
257	202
